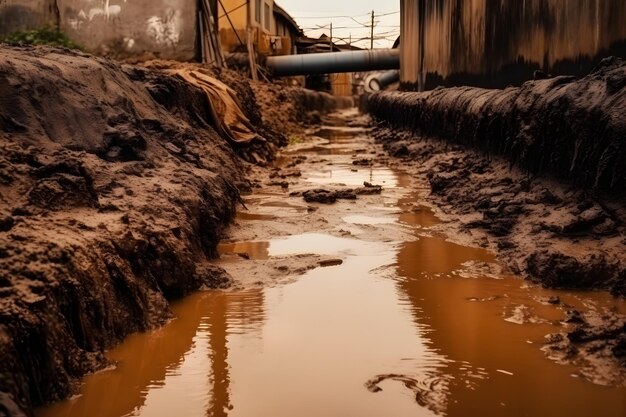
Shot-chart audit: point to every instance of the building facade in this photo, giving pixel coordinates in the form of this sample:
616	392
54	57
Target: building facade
273	30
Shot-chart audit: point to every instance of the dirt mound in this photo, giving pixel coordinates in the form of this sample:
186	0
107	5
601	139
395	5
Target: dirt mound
114	189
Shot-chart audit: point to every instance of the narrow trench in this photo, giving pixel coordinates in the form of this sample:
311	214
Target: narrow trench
402	322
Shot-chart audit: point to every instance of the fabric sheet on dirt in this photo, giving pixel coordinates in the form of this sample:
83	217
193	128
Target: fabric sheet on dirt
229	119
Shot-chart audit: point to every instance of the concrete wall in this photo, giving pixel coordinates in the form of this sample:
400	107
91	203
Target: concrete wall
493	43
121	28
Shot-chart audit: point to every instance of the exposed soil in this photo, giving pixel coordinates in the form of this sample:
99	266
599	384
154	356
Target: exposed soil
571	129
114	191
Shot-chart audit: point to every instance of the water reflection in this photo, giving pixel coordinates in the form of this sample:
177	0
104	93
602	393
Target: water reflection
466	324
352	177
182	366
306	243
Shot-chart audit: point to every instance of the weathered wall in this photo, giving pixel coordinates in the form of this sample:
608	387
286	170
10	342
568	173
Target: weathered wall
277	40
16	15
494	43
122	28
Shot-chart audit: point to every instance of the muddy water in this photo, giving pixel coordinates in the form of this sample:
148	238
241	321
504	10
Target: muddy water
416	326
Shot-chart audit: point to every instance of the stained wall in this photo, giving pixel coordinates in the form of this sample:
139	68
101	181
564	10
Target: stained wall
121	28
495	43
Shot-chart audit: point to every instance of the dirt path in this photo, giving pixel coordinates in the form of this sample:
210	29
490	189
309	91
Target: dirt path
312	182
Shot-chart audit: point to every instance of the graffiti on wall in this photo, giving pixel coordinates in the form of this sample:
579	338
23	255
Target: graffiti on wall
104	11
165	30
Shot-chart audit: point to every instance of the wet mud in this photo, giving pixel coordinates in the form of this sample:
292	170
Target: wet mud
370	306
564	127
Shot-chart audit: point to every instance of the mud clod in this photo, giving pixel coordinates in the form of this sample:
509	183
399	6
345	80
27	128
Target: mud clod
6	223
558	270
323	196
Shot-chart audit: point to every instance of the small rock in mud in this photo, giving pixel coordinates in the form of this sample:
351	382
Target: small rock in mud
281	184
6	223
573	316
369	190
362	162
330	262
324	196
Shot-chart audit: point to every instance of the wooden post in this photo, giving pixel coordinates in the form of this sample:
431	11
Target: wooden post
251	56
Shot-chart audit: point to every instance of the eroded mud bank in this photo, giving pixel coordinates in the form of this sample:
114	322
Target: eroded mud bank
573	129
114	190
540	168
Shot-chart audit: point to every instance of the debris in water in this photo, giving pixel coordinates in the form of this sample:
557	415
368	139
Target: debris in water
430	392
330	262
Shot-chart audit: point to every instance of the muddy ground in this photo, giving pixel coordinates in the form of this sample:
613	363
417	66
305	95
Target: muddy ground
535	174
591	339
540	168
114	191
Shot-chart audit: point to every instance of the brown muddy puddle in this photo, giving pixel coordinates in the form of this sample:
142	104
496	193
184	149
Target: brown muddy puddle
401	328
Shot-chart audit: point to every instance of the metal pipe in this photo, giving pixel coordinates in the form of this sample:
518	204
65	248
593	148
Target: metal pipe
377	82
331	63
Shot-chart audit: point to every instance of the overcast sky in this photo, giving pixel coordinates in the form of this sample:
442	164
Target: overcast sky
350	19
